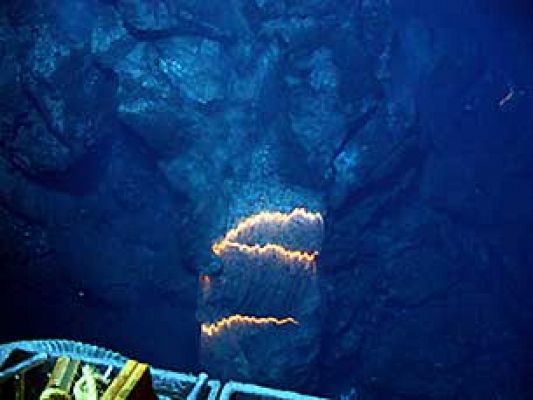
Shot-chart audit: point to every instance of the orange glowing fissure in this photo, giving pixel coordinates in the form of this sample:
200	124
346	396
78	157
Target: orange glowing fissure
230	240
238	319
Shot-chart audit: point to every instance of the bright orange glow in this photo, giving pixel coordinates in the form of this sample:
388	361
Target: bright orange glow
231	240
238	319
270	248
205	282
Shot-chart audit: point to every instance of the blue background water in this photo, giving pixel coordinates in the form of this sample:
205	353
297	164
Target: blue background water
134	132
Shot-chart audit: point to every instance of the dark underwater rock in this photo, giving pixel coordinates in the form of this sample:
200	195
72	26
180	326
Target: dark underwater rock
316	118
422	294
148	20
60	101
163	86
110	39
147	15
134	134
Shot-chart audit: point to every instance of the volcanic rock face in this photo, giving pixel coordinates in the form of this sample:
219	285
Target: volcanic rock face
268	284
135	134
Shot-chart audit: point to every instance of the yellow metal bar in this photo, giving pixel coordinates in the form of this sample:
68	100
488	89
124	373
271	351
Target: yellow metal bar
133	382
64	374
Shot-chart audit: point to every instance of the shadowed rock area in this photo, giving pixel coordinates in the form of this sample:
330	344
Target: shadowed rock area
135	133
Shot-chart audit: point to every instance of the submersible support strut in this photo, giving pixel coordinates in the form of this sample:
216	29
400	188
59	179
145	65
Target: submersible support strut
231	387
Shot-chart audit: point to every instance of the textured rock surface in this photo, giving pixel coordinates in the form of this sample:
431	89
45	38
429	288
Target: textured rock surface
273	284
134	133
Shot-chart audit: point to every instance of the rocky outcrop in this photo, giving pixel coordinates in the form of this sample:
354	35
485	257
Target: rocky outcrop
262	314
134	134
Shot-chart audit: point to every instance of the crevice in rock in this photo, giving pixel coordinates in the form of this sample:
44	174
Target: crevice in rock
186	26
36	104
355	125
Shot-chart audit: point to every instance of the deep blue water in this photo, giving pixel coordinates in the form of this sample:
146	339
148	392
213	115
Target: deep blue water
135	133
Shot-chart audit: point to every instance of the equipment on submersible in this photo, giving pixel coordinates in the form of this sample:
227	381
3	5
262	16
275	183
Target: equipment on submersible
67	370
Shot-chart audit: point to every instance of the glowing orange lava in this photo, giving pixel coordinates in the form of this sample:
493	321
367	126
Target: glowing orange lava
231	240
205	282
238	319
